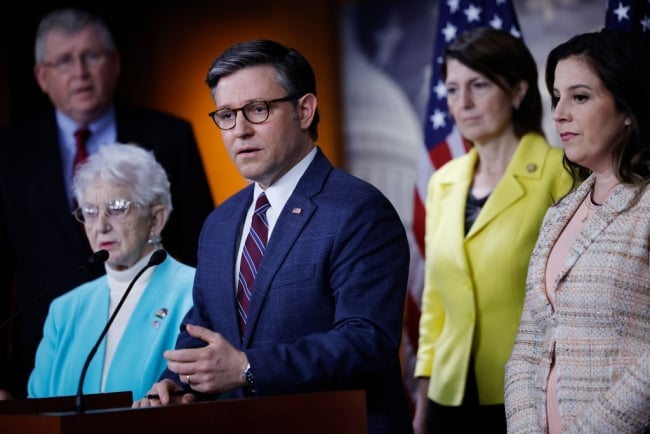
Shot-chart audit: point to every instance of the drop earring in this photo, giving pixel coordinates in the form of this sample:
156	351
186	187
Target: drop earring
154	239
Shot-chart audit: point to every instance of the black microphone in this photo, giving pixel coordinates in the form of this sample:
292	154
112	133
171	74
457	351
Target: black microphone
156	258
97	258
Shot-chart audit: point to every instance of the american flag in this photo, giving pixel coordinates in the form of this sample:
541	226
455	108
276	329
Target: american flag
442	142
630	15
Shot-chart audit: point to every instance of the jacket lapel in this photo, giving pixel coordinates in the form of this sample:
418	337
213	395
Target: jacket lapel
454	188
618	200
526	163
231	232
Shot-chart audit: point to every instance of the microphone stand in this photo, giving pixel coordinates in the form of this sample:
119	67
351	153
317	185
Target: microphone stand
97	258
156	258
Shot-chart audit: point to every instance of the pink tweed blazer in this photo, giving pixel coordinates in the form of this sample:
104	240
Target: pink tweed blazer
599	329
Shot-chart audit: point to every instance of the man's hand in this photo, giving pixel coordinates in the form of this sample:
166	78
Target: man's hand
163	393
214	368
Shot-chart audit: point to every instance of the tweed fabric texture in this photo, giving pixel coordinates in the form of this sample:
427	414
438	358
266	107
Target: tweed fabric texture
598	328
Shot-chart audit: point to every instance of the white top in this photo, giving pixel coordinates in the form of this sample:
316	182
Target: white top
118	282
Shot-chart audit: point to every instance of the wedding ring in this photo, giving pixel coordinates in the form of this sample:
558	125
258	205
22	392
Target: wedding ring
187	380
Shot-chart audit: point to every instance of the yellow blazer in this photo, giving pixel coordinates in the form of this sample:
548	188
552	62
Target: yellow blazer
474	285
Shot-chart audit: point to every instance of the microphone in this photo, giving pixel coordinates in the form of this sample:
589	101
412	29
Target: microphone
156	258
97	258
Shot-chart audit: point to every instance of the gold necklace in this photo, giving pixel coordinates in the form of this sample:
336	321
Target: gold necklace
591	204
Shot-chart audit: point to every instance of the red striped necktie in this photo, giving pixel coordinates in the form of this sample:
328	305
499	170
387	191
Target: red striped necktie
251	257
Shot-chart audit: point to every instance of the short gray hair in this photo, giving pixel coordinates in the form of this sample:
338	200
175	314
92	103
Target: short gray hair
70	21
126	165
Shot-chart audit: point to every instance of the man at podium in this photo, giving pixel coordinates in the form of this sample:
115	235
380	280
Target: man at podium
301	276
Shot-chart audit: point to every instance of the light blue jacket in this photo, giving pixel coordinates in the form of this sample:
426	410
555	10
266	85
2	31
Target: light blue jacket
76	320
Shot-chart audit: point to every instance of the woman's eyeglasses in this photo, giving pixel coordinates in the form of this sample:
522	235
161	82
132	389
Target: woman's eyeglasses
114	209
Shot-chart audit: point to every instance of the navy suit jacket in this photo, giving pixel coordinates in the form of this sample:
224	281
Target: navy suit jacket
327	305
40	242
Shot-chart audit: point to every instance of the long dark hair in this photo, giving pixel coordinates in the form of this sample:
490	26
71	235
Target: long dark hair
619	60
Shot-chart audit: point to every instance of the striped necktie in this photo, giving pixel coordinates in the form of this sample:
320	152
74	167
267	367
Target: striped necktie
251	257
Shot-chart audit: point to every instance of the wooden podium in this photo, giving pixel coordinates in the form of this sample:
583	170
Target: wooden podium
339	412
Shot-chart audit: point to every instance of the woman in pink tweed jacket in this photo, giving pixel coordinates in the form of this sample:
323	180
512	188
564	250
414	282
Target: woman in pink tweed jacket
581	359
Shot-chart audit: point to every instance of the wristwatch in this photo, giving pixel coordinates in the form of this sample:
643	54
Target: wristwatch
247	375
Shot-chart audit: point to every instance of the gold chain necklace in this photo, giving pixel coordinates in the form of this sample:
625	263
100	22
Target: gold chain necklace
591	204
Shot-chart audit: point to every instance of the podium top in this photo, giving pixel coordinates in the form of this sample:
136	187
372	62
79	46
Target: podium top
66	403
341	412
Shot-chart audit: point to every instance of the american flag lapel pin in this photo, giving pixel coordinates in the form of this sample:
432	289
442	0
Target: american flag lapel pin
160	315
296	211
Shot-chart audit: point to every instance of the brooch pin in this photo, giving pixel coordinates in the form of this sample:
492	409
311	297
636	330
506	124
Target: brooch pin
160	314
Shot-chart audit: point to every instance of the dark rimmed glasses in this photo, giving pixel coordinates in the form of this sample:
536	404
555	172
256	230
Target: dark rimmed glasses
254	112
114	209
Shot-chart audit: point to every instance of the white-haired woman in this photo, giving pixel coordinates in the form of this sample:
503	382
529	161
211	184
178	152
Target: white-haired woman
124	203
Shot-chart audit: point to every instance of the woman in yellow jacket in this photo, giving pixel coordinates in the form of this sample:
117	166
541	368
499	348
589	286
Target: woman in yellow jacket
483	213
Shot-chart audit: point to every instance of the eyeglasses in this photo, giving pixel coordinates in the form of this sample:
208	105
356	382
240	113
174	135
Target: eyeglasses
65	63
114	209
255	112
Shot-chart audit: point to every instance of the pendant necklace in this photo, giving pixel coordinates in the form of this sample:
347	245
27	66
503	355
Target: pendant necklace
591	204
